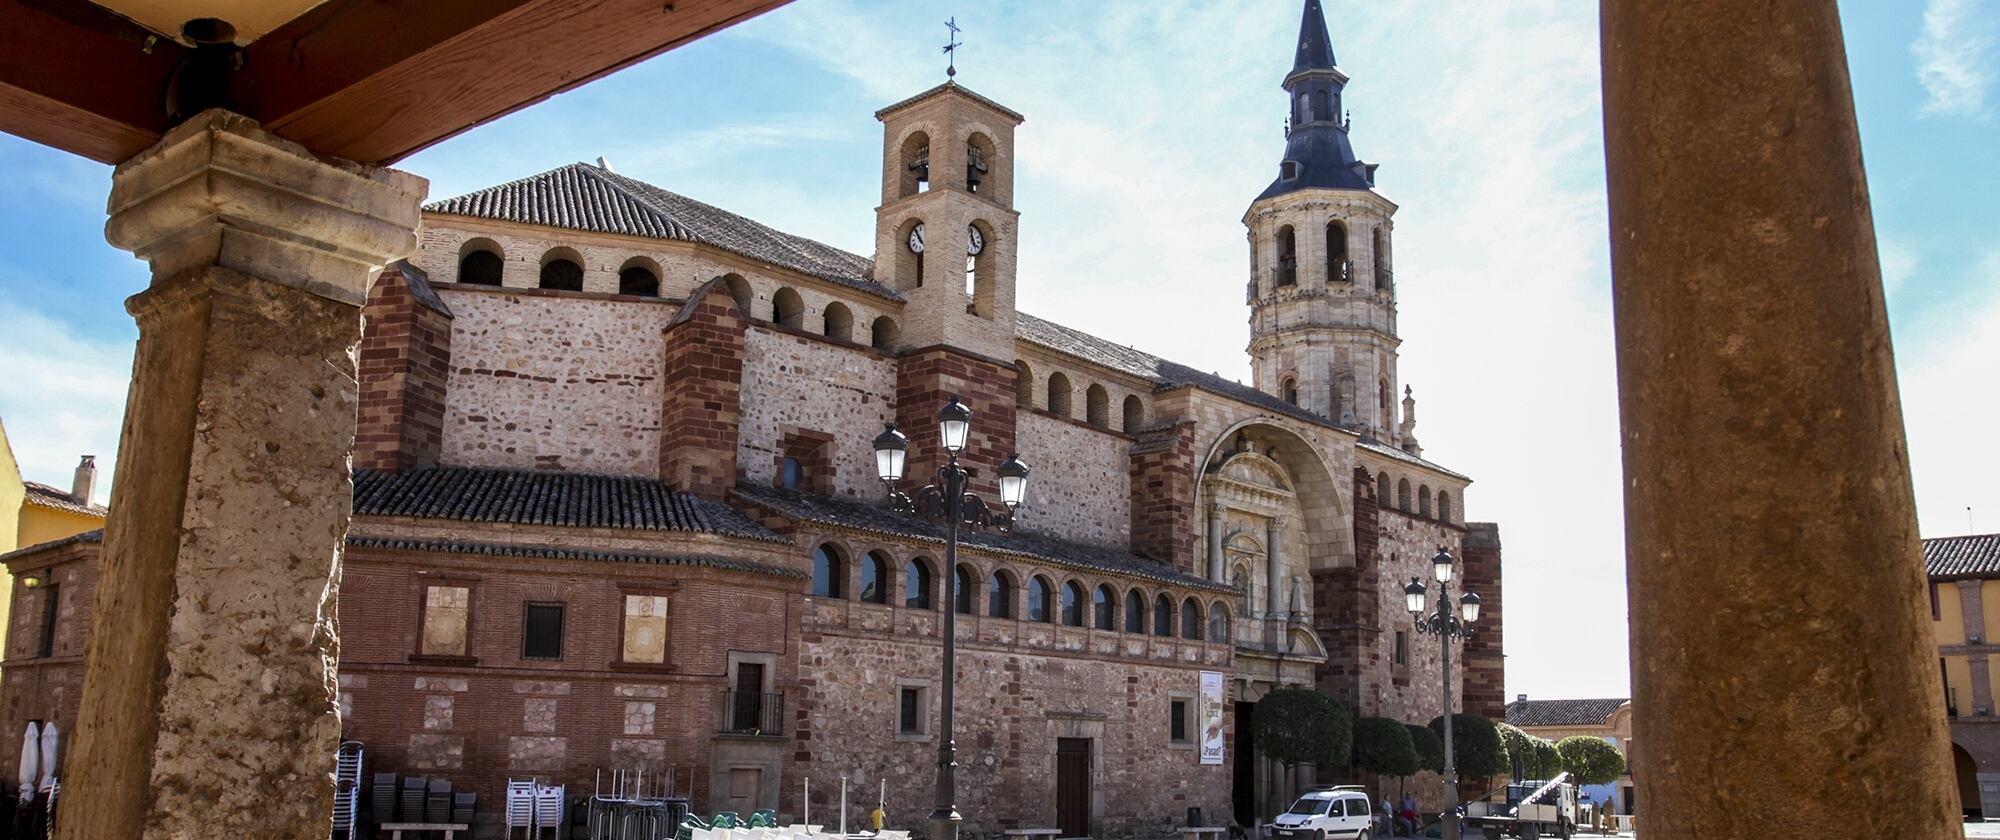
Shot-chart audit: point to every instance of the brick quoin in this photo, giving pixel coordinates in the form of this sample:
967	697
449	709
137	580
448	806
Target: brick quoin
1485	686
1346	611
404	362
1163	496
703	384
925	379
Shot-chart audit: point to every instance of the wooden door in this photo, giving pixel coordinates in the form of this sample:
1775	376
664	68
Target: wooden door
1073	786
746	786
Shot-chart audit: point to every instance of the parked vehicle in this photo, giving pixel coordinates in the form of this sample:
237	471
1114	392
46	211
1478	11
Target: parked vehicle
1335	813
1533	810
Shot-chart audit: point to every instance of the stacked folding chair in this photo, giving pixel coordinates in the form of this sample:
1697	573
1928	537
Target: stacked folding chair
414	788
462	806
347	787
437	801
521	807
548	809
382	798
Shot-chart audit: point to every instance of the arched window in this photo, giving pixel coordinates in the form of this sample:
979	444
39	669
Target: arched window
1288	257
1058	394
917	584
1291	391
884	334
1403	495
1163	616
1382	496
1218	622
1337	266
479	263
829	573
1097	405
1000	596
788	309
1300	111
978	159
739	289
963	590
839	322
1378	252
1041	606
1104	606
910	263
1135	414
562	270
1024	384
1322	106
1072	604
791	473
875	578
638	277
1444	507
914	175
1424	500
979	270
1190	620
1135	612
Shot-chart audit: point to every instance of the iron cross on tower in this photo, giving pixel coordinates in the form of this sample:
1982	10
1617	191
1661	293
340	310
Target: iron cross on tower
951	47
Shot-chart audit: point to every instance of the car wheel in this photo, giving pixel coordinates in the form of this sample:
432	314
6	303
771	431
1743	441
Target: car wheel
1320	834
1362	836
1531	832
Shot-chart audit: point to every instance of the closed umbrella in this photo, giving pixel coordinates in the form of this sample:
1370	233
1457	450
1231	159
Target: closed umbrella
31	760
49	739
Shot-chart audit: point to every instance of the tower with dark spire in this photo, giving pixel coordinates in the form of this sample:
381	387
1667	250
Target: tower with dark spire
1322	292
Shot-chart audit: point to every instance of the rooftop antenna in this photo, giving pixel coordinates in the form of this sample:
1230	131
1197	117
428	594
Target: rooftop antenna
951	47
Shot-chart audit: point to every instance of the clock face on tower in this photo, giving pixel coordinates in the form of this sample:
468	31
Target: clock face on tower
975	241
917	239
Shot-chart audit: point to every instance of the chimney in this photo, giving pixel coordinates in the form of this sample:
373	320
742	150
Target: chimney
85	481
605	164
1520	698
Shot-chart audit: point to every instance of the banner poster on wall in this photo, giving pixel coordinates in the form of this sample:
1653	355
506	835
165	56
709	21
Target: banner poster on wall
1211	717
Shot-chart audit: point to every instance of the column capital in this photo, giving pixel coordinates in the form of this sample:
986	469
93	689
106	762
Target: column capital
220	190
1216	509
1275	523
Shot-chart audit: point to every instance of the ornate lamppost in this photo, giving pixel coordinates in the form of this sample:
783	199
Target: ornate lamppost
1448	627
946	500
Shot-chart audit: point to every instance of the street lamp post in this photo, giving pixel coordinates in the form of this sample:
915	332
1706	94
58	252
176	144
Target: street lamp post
1447	626
947	500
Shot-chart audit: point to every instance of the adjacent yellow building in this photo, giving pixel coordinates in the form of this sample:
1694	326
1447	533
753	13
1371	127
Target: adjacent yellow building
1965	592
32	513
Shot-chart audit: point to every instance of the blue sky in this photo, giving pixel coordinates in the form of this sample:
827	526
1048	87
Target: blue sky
1150	126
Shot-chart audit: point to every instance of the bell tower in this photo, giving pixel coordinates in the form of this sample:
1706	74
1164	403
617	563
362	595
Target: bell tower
1322	294
945	231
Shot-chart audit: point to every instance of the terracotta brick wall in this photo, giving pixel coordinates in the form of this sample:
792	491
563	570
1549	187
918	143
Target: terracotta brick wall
1485	685
46	688
1346	613
703	387
925	379
1163	496
405	359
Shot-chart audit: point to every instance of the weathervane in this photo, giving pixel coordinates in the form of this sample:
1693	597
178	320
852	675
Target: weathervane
951	47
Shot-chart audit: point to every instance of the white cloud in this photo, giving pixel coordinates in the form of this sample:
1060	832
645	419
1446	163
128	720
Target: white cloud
65	396
1955	56
1946	374
1899	264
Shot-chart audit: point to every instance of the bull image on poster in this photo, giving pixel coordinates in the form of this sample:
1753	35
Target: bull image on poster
1211	717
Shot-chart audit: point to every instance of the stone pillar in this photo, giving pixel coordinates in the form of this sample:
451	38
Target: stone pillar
1779	619
703	379
1274	581
208	700
1216	572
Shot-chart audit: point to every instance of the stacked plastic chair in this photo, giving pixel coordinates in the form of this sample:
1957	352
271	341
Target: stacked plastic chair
462	807
382	798
521	807
548	808
437	801
414	788
347	787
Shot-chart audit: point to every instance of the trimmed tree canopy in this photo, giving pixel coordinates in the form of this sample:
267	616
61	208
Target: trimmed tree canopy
1382	746
1430	748
1532	757
1476	741
1590	760
1296	725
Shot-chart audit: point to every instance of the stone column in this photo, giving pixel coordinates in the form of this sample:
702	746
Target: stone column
1216	570
1779	620
1274	581
208	700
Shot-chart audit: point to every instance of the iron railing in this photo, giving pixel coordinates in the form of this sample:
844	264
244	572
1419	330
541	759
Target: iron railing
753	712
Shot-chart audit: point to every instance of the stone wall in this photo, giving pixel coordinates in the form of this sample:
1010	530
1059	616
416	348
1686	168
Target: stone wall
1411	693
540	381
46	688
795	382
1162	486
1077	463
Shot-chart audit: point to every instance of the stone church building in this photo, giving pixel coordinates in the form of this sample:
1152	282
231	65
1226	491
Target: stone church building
616	507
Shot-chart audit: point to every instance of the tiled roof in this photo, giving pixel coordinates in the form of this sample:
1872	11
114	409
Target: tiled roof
585	197
557	553
874	517
1562	712
94	535
526	497
1975	556
46	496
951	85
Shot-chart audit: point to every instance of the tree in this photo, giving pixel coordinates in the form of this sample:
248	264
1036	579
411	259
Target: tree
1430	748
1382	746
1530	756
1294	726
1476	742
1589	760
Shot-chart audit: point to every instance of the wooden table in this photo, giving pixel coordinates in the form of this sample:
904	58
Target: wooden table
449	830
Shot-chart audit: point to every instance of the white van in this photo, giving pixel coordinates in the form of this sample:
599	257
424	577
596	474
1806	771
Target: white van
1337	813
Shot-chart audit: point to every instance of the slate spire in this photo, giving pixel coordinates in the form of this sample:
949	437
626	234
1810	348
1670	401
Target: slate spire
1318	153
1315	48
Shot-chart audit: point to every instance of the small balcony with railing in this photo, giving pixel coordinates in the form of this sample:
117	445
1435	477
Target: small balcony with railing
753	713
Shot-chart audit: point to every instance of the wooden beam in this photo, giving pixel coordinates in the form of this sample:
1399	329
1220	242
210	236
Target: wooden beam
81	79
376	80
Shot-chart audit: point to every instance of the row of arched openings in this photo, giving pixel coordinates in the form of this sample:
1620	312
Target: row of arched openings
915	171
1059	399
880	579
1422	504
1339	267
